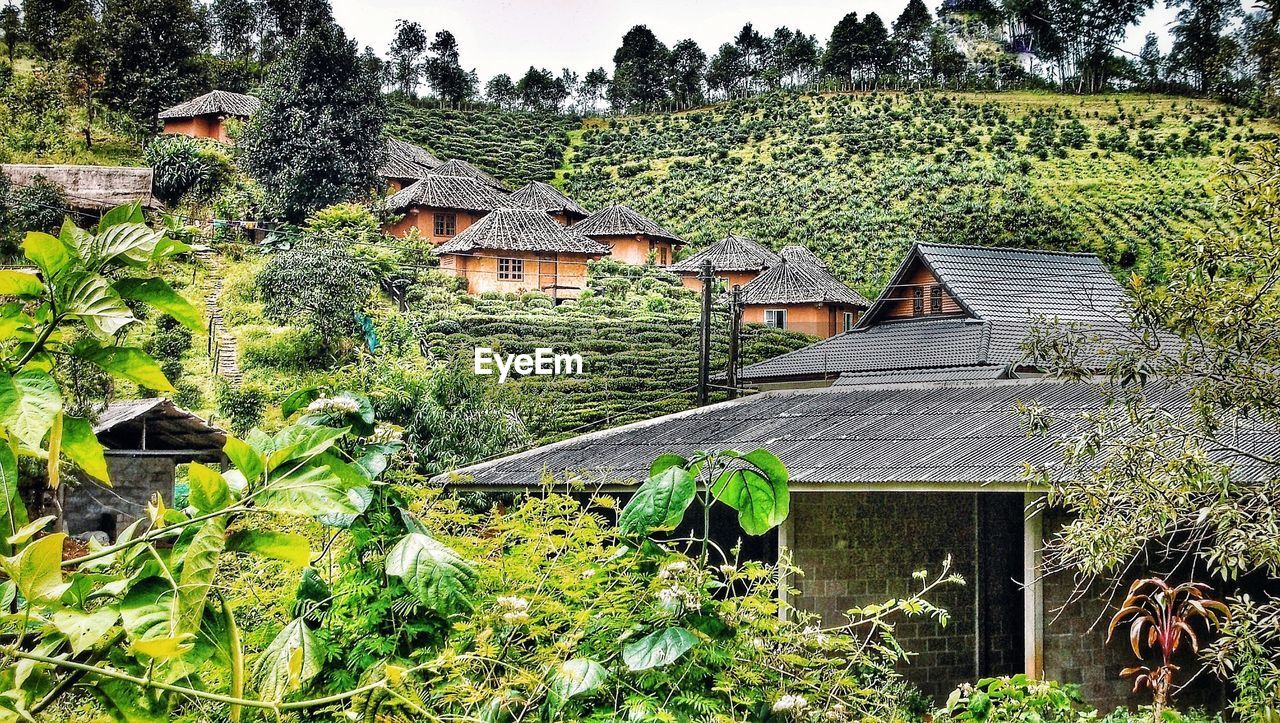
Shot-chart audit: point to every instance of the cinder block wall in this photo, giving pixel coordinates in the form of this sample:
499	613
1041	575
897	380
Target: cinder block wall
87	506
861	548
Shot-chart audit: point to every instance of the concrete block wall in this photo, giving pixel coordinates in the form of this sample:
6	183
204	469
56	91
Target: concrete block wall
88	506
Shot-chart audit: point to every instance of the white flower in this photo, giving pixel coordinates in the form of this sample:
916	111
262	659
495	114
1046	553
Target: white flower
386	433
513	603
728	570
515	618
672	570
792	704
334	405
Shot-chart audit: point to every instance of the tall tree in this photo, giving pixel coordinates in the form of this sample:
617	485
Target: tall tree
911	41
1150	61
317	140
792	57
405	57
1260	40
541	90
290	18
1200	39
1089	33
46	23
752	50
725	73
84	52
153	50
501	91
236	27
444	70
640	68
688	63
875	52
839	59
11	27
595	86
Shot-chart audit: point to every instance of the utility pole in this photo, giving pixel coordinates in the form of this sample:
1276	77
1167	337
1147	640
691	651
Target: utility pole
735	327
704	343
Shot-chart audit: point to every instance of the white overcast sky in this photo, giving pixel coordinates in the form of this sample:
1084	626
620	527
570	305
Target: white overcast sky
507	36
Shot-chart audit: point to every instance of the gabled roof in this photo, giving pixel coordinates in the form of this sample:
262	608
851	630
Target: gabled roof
405	160
732	253
456	167
622	221
967	435
434	191
541	196
510	229
893	345
155	424
1014	288
89	187
800	255
973	372
217	102
800	283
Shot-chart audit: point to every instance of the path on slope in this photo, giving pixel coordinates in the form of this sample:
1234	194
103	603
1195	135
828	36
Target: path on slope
226	361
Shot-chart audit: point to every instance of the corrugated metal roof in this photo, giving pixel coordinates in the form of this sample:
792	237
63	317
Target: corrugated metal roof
168	426
964	434
972	372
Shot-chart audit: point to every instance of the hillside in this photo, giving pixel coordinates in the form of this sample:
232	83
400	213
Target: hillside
857	178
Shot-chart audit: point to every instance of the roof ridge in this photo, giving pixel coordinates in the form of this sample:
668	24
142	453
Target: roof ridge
1006	249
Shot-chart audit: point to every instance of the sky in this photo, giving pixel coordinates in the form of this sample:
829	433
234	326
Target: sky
507	36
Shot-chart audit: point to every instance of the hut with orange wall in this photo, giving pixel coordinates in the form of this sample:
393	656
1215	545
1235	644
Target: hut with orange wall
517	250
441	207
801	296
736	260
634	239
403	164
541	196
207	116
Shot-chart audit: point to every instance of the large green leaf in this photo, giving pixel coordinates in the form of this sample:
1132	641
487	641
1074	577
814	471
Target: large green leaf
658	649
29	402
149	611
124	213
158	293
47	252
248	460
13	513
20	283
90	299
434	573
579	676
288	547
85	630
208	491
300	442
762	502
128	243
291	660
37	570
81	445
317	488
660	502
199	565
126	702
127	363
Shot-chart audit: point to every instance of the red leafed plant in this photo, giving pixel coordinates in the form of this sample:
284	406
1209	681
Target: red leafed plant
1159	615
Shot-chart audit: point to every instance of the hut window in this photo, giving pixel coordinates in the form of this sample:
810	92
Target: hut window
446	224
511	269
777	318
917	301
848	320
935	299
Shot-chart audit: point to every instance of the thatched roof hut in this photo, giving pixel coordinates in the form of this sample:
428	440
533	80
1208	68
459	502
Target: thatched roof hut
509	229
732	253
435	191
406	161
463	169
800	283
541	196
217	102
623	221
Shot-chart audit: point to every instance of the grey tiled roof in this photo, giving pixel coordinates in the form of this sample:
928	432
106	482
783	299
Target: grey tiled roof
800	282
731	253
975	372
965	434
456	167
405	160
217	102
622	221
799	254
522	229
907	344
434	191
545	197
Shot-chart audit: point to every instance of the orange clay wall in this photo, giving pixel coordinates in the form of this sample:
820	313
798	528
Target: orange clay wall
424	219
820	320
541	272
635	250
204	126
741	278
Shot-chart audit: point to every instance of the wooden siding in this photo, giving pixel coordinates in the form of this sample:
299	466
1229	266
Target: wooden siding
902	296
560	276
423	218
820	320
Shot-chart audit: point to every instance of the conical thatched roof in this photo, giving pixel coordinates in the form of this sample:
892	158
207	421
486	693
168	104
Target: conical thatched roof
405	160
732	253
800	255
541	196
455	167
447	192
217	102
799	283
511	229
622	221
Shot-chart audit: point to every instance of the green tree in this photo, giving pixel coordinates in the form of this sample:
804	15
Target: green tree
641	66
911	41
404	59
317	139
153	55
793	57
501	91
11	28
1150	61
319	285
444	70
1200	40
688	64
540	90
840	58
236	28
594	88
752	49
45	23
85	54
726	73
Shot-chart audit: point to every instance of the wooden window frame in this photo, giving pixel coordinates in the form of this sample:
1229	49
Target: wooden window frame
510	269
849	320
778	314
445	224
935	299
917	301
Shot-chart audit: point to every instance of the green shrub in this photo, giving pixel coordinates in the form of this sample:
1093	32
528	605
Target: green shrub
288	348
184	166
243	406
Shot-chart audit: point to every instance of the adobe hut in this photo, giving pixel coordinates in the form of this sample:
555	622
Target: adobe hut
541	196
145	441
515	250
734	259
89	189
455	167
207	116
801	296
404	163
441	207
633	238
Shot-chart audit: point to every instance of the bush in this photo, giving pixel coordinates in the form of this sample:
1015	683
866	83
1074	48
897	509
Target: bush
243	406
287	348
321	286
184	166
